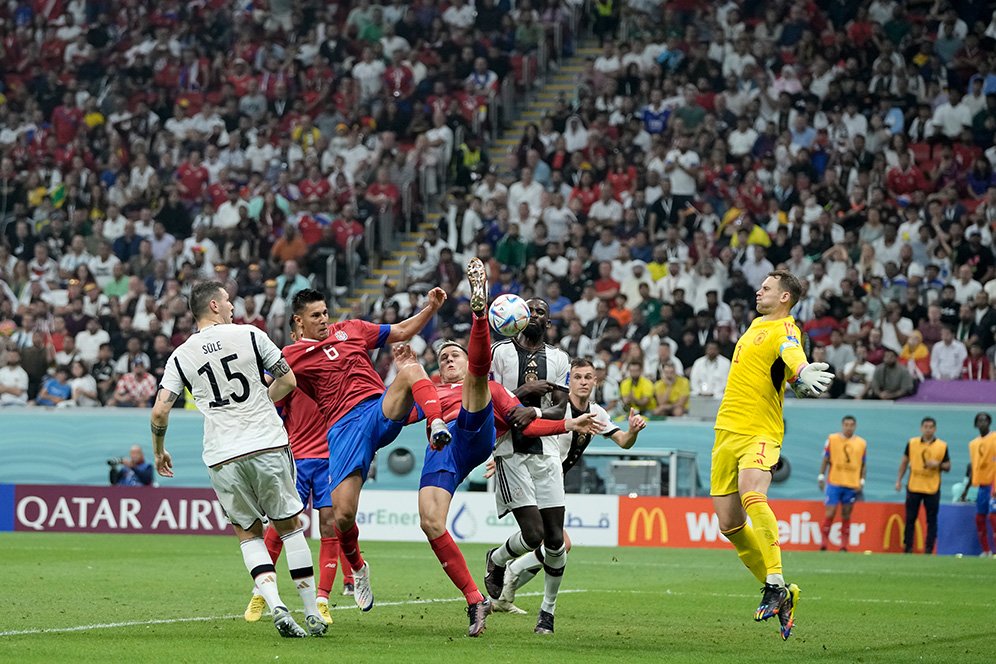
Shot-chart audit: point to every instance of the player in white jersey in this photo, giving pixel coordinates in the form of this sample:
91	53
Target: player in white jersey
245	444
571	446
529	481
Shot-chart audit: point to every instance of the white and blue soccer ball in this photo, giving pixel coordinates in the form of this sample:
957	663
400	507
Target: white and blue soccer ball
509	315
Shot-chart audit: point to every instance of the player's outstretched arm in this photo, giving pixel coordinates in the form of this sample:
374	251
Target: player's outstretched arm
627	439
284	380
160	422
409	327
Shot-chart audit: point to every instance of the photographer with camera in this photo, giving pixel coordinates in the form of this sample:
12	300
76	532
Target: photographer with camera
131	471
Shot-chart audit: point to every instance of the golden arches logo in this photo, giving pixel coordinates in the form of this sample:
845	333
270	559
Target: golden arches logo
899	522
649	519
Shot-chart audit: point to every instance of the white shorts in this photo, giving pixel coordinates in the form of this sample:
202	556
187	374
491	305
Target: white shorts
522	480
258	487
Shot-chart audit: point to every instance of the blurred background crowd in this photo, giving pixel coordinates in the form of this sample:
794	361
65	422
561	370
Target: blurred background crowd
279	145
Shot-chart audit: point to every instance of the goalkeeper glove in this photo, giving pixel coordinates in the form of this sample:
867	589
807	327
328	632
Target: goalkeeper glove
813	380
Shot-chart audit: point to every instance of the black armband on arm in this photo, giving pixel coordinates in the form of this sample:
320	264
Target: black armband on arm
280	369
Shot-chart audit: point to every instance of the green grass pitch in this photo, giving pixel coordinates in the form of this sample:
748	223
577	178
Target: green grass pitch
136	598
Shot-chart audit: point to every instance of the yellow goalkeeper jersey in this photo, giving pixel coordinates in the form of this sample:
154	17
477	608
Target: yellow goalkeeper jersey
767	355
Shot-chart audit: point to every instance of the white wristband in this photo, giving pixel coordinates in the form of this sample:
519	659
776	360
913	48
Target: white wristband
820	477
539	412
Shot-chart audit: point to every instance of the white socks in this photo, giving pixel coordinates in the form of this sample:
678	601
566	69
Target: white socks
301	566
260	567
554	563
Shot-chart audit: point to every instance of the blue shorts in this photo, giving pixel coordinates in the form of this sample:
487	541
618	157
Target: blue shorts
472	444
983	498
840	495
313	482
355	439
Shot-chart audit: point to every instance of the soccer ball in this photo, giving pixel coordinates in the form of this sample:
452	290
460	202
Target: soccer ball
509	315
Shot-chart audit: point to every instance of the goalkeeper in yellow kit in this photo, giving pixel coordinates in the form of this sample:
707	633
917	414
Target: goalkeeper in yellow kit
749	430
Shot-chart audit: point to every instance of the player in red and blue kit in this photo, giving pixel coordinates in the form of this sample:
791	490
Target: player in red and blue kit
333	367
306	432
477	412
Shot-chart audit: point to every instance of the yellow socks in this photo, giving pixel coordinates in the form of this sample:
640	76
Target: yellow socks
766	527
749	549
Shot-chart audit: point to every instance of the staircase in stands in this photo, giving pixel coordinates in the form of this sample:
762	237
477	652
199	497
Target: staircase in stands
559	82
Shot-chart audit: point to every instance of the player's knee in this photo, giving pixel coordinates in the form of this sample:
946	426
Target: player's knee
345	518
432	525
411	373
554	543
326	523
532	535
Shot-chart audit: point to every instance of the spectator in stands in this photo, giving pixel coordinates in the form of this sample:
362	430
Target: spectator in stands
857	374
890	380
55	389
671	392
637	391
709	372
947	357
915	356
13	381
135	389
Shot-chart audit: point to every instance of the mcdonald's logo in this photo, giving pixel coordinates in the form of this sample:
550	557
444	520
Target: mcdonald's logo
651	520
899	522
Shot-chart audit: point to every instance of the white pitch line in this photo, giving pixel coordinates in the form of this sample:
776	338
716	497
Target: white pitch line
173	621
866	600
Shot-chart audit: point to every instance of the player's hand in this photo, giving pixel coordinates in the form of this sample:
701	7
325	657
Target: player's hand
403	355
815	379
489	469
164	464
898	485
534	388
521	417
586	424
436	298
637	422
822	484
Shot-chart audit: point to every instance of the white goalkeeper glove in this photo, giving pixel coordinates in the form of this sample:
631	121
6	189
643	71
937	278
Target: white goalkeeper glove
813	380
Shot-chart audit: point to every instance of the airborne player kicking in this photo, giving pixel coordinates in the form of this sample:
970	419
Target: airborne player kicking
477	411
333	368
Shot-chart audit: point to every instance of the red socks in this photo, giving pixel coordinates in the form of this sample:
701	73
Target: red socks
980	527
328	563
347	571
274	545
825	531
427	399
455	566
479	348
349	541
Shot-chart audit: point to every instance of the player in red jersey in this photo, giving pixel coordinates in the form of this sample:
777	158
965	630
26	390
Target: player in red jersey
477	412
306	432
334	369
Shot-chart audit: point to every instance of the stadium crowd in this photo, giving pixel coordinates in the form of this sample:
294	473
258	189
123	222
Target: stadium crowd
709	143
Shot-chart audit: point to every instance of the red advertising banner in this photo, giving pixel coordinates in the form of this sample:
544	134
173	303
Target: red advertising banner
691	522
118	510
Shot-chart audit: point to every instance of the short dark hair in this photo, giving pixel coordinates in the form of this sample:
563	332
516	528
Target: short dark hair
201	296
929	419
581	362
848	418
304	298
788	282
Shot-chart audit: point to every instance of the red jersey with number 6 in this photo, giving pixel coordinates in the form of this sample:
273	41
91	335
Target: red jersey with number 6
337	373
